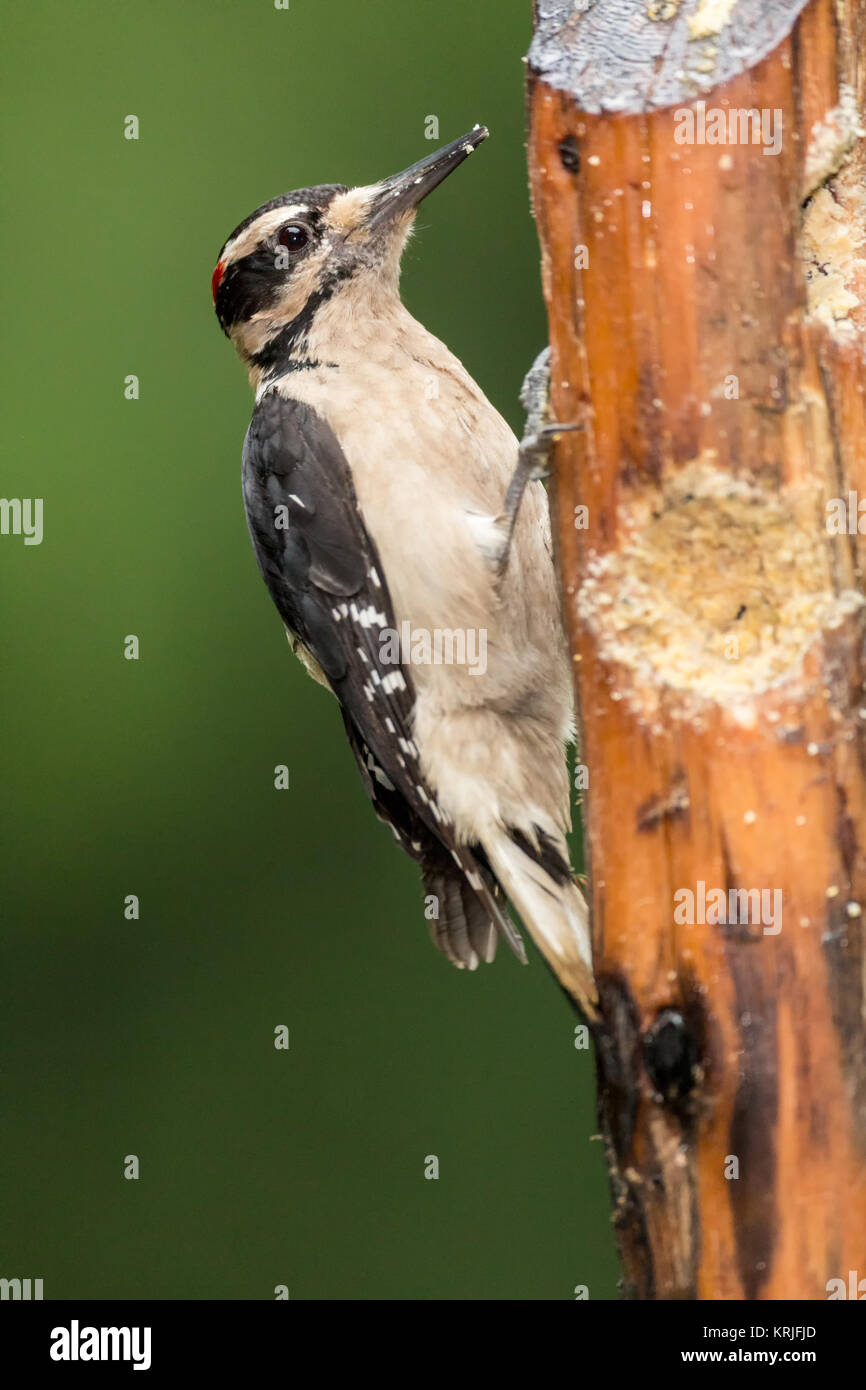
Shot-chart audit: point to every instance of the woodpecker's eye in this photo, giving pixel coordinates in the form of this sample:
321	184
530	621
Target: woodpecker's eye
294	237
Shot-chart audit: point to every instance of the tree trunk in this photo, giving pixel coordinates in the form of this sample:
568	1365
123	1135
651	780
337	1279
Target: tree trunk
707	308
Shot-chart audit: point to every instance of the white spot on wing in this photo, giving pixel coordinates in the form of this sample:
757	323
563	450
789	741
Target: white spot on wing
369	616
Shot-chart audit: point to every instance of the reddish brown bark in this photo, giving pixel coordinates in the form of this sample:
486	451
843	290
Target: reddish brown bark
713	347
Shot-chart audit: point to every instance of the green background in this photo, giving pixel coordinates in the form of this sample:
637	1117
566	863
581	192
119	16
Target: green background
155	777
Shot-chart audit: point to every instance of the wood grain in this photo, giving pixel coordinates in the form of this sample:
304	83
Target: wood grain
707	310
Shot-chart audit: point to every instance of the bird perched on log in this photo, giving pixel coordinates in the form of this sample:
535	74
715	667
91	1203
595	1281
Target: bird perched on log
376	483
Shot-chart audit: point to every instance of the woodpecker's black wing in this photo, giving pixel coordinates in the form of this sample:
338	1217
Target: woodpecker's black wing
325	576
469	917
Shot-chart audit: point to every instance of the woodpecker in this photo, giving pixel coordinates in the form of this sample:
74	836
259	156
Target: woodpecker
376	486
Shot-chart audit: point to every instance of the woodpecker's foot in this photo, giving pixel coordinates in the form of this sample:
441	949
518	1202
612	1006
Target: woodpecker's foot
533	462
535	394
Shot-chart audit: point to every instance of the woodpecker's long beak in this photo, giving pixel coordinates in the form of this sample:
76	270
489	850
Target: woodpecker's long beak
403	192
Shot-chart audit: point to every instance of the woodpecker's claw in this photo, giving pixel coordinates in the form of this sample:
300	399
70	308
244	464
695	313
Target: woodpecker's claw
533	462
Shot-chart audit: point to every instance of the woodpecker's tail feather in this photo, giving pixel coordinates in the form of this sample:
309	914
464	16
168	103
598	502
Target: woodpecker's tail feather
535	874
471	909
463	929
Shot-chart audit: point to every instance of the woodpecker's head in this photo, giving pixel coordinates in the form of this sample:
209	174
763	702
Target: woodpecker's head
326	246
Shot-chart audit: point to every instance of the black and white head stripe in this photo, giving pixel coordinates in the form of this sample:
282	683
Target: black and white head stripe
311	201
244	281
280	353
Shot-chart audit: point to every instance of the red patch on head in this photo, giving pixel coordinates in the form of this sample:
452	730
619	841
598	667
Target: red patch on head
217	279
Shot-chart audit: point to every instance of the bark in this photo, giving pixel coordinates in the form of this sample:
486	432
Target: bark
707	309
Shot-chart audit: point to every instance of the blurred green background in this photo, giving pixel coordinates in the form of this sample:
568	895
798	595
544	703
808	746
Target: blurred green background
155	777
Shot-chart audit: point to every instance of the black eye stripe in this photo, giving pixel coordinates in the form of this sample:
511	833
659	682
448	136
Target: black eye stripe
254	282
283	344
